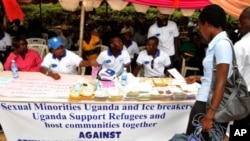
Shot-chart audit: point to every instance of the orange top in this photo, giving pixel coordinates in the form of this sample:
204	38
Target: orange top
90	49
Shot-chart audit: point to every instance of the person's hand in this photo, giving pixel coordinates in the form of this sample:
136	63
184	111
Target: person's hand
206	123
191	79
177	58
55	76
93	63
16	51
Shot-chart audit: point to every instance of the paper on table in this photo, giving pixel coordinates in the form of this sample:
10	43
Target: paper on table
39	88
190	87
4	81
177	75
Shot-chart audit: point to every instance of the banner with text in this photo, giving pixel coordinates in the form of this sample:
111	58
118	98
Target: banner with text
93	122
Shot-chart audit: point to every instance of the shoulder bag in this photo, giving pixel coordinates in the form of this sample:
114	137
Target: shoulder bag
235	104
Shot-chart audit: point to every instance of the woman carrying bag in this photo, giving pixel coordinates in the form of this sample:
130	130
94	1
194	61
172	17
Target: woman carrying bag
212	24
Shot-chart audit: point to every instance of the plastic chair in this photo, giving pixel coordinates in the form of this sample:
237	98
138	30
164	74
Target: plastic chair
141	72
46	37
36	41
1	67
141	48
103	47
40	48
185	68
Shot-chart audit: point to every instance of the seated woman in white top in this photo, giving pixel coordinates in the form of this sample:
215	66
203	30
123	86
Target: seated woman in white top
153	60
61	60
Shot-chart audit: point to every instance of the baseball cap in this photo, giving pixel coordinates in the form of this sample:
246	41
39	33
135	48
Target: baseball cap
65	27
125	30
162	16
55	42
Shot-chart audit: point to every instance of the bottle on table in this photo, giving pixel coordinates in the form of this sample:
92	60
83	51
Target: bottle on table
77	88
14	69
124	77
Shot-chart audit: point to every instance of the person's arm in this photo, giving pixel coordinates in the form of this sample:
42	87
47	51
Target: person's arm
7	64
127	66
137	69
192	79
86	63
220	83
38	61
49	73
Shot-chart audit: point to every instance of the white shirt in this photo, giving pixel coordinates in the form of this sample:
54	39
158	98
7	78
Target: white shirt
132	49
5	41
222	50
67	64
166	35
161	61
107	60
242	52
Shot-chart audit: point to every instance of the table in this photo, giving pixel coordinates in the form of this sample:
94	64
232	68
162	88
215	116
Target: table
33	114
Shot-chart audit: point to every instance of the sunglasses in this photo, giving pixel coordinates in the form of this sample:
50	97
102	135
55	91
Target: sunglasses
152	63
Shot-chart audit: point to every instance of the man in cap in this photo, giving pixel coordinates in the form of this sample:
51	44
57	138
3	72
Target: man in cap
61	60
129	45
167	33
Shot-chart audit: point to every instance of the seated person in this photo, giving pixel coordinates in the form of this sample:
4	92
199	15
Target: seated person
153	60
115	58
130	45
26	59
91	47
61	60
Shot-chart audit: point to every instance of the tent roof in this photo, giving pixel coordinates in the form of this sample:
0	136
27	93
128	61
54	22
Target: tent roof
232	7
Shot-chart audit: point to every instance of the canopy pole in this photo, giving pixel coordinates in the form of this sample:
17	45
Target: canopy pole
81	33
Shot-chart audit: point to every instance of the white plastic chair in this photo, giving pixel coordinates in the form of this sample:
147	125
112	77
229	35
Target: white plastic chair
141	48
46	37
36	41
40	48
1	67
185	68
104	47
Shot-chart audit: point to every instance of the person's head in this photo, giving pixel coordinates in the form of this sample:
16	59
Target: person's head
115	43
16	22
20	44
162	19
212	19
87	32
244	25
65	30
126	33
56	46
194	37
152	44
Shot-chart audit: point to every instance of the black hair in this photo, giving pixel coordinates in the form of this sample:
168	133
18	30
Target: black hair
247	12
153	38
214	15
15	41
193	34
112	37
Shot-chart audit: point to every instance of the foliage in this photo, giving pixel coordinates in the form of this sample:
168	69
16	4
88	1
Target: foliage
53	14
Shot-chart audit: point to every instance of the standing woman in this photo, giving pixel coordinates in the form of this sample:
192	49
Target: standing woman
212	24
26	59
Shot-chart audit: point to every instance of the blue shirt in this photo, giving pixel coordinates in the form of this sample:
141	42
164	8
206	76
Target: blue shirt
221	48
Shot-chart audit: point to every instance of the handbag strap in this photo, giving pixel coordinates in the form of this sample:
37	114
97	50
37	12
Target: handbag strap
235	70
